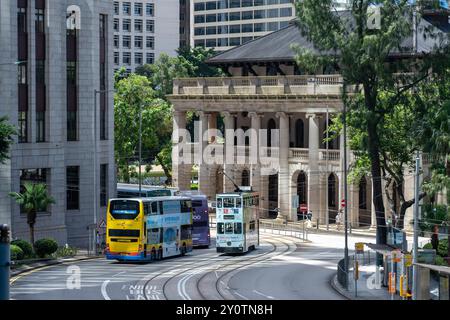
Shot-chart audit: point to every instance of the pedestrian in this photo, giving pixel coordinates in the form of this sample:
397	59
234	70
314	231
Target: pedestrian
339	220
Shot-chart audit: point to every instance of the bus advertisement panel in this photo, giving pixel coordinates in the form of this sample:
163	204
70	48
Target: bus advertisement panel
143	229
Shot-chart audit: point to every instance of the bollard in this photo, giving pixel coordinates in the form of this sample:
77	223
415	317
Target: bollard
4	262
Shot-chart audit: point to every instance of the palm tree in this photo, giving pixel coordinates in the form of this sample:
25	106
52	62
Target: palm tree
35	198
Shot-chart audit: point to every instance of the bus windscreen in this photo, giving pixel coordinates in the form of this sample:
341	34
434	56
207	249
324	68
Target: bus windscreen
124	209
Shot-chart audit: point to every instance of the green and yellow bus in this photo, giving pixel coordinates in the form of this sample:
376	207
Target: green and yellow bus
145	229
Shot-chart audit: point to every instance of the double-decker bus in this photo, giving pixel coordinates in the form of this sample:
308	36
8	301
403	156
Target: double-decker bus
200	227
132	191
144	229
237	222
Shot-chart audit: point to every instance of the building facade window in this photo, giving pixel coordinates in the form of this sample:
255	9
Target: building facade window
126	42
116	8
40	126
22	20
126	58
150	26
116	41
103	184
126	8
138	25
116	25
73	188
138	9
150	9
138	42
23	127
138	58
150	43
150	58
126	25
116	58
39	20
72	126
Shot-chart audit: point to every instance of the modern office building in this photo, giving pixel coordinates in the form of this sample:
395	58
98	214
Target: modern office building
143	29
224	24
185	23
55	54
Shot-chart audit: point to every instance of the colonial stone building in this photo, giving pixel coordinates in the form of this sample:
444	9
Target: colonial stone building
54	54
266	90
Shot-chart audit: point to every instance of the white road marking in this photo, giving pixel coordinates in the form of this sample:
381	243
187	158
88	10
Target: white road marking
264	295
103	289
240	295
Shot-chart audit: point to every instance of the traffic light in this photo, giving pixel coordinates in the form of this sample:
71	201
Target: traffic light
4	233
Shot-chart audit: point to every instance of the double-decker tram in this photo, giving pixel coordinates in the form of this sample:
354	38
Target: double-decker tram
237	222
144	229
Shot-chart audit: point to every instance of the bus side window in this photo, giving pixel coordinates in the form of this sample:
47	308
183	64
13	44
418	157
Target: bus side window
145	229
161	235
220	228
161	210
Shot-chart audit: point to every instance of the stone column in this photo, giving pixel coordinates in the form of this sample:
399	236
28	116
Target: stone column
313	174
255	172
229	151
181	174
323	202
284	203
212	127
204	180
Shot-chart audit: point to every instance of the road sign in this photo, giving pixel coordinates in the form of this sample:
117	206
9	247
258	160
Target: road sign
304	207
102	224
396	256
408	260
359	247
343	203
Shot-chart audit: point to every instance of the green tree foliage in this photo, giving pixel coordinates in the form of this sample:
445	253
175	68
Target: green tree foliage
7	132
194	60
362	54
35	198
133	93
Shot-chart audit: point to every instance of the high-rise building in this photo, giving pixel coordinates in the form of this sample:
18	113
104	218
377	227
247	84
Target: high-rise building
56	58
185	23
228	23
143	29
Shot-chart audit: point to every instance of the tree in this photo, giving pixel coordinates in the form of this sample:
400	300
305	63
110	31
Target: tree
7	132
344	39
132	93
34	199
194	59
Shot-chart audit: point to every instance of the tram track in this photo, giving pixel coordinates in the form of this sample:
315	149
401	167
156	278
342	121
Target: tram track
188	268
210	267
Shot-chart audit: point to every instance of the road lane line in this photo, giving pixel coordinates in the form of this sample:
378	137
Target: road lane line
103	289
264	295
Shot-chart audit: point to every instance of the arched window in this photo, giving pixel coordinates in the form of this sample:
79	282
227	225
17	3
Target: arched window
333	144
302	188
332	190
299	134
245	178
363	193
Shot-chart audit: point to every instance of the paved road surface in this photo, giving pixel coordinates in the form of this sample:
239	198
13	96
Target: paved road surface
281	268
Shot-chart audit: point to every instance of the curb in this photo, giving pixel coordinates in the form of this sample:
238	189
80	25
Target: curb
339	289
27	268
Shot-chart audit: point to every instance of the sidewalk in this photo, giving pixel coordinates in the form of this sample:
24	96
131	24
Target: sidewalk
363	291
41	263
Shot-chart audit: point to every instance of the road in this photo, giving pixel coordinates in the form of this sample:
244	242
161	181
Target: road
281	268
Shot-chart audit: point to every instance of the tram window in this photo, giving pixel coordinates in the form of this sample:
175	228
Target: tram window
219	203
154	207
228	202
185	206
147	209
228	227
237	228
252	225
220	228
238	202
